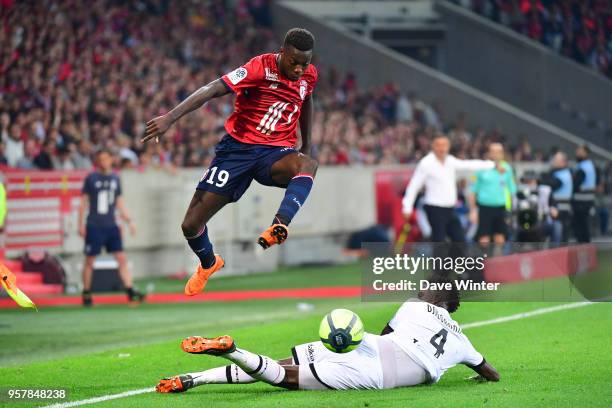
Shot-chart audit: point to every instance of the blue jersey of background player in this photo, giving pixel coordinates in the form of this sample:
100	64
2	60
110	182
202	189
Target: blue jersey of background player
103	191
101	194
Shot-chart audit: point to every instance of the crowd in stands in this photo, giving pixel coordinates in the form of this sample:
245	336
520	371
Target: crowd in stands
578	29
79	76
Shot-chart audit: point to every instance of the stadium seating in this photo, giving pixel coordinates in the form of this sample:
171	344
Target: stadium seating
118	70
581	30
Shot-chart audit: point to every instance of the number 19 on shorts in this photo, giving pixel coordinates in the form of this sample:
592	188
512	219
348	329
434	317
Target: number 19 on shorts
218	178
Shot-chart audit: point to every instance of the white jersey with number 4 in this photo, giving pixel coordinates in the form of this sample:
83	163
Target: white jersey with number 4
429	335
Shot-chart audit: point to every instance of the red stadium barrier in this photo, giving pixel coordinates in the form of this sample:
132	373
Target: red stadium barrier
544	264
37	203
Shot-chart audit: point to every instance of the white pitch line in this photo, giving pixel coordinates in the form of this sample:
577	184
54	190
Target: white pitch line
481	323
100	399
524	315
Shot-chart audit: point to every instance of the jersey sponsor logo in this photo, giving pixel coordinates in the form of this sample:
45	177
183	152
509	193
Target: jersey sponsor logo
271	76
237	75
268	123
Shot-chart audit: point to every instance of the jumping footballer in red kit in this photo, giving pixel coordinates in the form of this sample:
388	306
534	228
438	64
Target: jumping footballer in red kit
273	94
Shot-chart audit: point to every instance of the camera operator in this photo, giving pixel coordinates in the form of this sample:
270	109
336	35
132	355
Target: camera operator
535	209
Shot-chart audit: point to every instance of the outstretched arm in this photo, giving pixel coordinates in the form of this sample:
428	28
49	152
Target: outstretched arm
475	165
306	124
158	126
486	372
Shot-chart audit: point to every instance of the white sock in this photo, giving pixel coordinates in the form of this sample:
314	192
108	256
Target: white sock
231	374
260	367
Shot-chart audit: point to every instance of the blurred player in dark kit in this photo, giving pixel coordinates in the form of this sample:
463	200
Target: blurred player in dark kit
102	195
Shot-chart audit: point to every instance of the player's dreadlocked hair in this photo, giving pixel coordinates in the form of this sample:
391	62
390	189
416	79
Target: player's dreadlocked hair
300	38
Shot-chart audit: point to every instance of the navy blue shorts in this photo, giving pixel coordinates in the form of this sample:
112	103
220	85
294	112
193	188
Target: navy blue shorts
97	238
236	164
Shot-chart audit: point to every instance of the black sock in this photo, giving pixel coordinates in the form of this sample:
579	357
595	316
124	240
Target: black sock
87	293
130	291
202	247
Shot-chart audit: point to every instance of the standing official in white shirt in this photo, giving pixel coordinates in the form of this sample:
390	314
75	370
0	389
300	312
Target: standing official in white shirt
437	172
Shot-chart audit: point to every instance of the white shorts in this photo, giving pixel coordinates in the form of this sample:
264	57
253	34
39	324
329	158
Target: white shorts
377	363
321	368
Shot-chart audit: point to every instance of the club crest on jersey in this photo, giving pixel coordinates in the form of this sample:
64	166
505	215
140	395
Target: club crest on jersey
271	76
303	88
237	75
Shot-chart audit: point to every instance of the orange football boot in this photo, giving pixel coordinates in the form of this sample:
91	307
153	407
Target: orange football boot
178	383
212	346
198	280
275	234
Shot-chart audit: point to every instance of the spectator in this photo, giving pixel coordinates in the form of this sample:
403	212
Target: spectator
404	109
27	161
95	80
14	145
125	152
43	160
577	29
82	155
3	159
5	122
460	136
600	60
63	159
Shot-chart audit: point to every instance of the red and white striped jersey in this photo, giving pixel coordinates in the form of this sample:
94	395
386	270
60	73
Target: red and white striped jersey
268	105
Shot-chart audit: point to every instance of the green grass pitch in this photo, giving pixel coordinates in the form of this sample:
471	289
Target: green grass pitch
561	359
